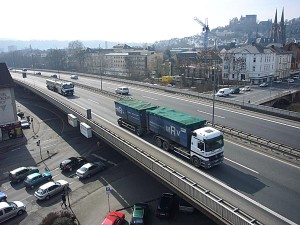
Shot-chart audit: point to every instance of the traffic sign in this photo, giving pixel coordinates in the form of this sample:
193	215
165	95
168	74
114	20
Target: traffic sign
107	189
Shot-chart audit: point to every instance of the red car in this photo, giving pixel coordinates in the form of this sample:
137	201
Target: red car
114	218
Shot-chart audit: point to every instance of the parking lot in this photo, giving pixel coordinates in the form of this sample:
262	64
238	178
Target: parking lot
88	199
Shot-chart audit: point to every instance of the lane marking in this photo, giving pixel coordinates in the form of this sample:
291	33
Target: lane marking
93	101
99	157
15	149
241	165
209	114
150	98
48	146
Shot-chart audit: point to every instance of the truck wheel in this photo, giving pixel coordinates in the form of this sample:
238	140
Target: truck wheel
158	142
120	123
166	146
196	161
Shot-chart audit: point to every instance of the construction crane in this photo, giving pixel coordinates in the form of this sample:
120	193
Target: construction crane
205	29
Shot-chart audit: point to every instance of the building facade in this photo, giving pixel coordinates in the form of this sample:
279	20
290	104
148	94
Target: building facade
10	127
255	64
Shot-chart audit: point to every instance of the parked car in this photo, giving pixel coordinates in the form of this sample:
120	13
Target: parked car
114	218
246	88
25	124
72	163
278	81
50	189
20	114
11	209
165	205
35	179
21	173
290	80
38	73
88	169
75	77
264	84
184	206
296	77
235	90
54	76
3	196
139	212
24	69
122	90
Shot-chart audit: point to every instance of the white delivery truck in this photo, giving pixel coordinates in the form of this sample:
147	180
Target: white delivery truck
223	92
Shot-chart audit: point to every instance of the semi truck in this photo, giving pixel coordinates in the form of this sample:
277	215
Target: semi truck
59	86
172	130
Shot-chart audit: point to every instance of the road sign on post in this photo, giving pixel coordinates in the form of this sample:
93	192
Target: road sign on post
107	189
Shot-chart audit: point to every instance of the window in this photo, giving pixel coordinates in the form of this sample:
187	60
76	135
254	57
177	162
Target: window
253	68
254	59
7	210
201	146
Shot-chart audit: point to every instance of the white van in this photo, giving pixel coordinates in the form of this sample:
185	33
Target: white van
223	92
122	90
75	77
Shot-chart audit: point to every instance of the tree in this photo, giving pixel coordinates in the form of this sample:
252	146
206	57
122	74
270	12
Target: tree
59	218
75	45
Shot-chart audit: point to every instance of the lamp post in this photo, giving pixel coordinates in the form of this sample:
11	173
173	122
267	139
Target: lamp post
271	80
214	95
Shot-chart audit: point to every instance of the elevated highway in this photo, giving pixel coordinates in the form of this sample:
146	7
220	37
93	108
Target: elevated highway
207	192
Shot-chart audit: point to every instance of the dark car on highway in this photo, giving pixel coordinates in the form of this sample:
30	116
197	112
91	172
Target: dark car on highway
165	205
72	163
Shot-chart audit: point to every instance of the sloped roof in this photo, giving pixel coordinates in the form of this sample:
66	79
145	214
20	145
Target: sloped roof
5	77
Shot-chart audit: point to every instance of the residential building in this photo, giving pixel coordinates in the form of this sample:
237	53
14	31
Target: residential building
255	64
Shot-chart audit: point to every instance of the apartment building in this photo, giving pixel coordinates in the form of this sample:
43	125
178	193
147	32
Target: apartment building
255	64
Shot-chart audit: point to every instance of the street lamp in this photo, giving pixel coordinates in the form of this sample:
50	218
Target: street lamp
271	80
214	95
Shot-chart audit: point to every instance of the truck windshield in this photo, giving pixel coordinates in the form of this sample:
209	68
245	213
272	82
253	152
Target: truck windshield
67	86
214	143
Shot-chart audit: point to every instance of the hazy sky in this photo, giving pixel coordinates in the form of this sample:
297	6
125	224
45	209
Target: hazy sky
128	20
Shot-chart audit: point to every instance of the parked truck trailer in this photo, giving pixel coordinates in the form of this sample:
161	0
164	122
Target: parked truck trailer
175	131
59	86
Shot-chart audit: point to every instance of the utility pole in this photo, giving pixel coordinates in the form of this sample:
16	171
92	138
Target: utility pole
214	95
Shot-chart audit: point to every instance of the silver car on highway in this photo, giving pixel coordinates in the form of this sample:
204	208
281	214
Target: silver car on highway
89	169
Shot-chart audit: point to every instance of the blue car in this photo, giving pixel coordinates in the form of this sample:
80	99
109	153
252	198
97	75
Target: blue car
3	197
35	179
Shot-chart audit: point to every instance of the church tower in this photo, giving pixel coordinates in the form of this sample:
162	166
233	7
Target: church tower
274	32
278	31
282	29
